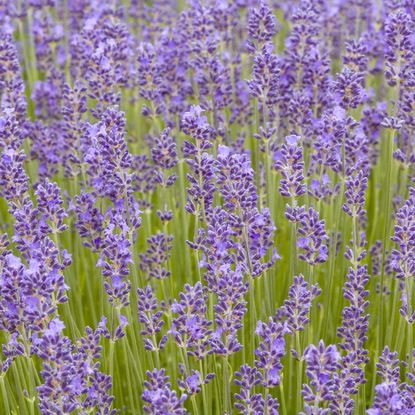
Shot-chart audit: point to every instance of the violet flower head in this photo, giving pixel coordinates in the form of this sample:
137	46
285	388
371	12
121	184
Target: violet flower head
11	81
191	383
50	206
159	398
235	179
288	160
248	402
151	317
312	239
356	187
164	154
262	27
154	260
229	311
265	79
71	377
270	351
297	306
195	124
190	327
399	28
89	220
115	259
322	365
349	90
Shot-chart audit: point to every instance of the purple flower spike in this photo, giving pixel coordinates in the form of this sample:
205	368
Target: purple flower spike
190	329
151	318
289	161
322	365
270	350
297	307
248	402
158	396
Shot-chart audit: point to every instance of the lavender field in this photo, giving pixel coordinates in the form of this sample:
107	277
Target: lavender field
207	207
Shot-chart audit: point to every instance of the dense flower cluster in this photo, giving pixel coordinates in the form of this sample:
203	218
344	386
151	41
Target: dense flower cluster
224	190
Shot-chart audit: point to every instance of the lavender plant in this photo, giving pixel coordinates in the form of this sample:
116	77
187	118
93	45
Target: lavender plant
207	207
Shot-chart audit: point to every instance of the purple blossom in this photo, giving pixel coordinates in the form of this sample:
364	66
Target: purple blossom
190	327
270	351
158	396
151	317
289	162
322	365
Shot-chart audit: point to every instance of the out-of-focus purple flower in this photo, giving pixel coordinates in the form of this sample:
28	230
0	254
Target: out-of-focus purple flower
154	260
348	89
262	27
164	155
399	44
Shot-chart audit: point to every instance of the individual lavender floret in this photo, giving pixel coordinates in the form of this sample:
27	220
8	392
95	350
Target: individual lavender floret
312	240
191	383
270	351
229	311
289	161
322	365
158	396
154	260
248	402
262	27
190	329
297	306
151	317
